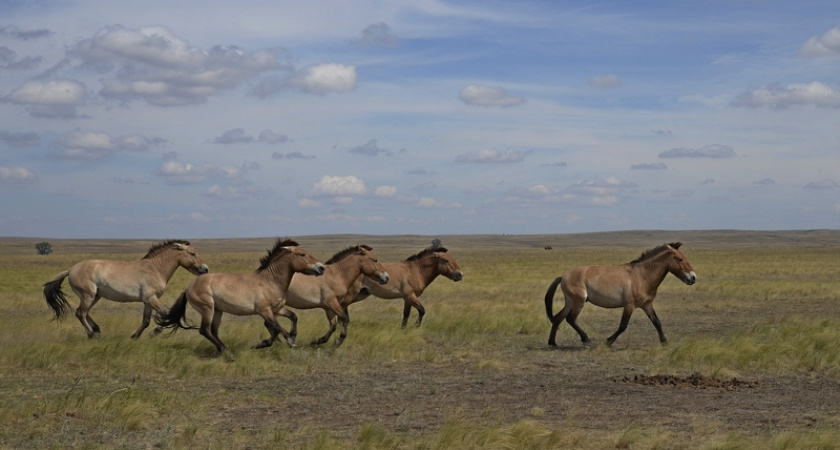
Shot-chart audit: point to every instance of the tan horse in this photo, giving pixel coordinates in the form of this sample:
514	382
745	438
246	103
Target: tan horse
409	278
326	292
262	292
628	286
136	281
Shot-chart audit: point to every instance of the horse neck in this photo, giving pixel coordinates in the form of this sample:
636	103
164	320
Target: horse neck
165	262
281	270
347	269
428	269
655	269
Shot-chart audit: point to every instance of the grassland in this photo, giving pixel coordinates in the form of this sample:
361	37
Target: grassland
763	320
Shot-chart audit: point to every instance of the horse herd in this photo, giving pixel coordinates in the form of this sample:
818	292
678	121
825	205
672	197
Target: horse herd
289	276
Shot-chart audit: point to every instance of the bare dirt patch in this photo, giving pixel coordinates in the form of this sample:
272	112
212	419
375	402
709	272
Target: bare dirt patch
694	380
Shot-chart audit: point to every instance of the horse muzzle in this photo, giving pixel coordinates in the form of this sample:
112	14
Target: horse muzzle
384	278
202	269
317	269
456	276
690	278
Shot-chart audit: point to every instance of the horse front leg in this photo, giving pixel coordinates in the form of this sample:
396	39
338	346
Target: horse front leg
289	314
409	302
147	318
625	319
332	318
345	320
648	309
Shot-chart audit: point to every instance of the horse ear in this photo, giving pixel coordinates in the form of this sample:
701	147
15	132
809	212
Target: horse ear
675	244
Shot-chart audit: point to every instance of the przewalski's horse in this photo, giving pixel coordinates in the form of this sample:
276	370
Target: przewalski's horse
409	278
326	292
627	286
136	281
262	292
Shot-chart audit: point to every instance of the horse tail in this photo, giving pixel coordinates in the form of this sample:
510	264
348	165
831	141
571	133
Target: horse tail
177	315
549	297
55	296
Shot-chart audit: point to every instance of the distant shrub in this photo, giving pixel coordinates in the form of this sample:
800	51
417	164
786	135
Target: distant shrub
44	248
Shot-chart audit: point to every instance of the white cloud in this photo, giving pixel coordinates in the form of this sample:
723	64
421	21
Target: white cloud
827	44
270	137
55	92
477	95
89	146
428	202
493	156
308	203
605	81
385	191
339	186
325	78
779	97
709	151
17	175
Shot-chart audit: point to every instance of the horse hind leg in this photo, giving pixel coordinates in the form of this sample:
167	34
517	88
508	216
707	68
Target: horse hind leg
333	319
83	314
555	324
210	329
345	320
289	314
572	320
147	319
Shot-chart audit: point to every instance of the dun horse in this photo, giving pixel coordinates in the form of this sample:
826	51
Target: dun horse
137	281
262	292
326	292
409	278
628	286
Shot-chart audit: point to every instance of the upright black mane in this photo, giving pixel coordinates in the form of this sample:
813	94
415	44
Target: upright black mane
158	248
346	252
426	251
649	254
279	248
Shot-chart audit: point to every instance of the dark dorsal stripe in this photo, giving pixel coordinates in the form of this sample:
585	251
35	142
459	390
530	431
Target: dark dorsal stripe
160	247
648	254
347	252
425	252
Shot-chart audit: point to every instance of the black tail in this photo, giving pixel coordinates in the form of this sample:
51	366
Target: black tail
549	298
55	296
177	315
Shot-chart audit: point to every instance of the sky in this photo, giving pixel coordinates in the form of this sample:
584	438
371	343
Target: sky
216	119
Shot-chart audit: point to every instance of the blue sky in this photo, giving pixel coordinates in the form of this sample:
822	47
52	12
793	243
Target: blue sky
273	118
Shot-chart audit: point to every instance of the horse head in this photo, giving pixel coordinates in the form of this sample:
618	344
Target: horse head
679	264
304	262
370	265
447	266
189	259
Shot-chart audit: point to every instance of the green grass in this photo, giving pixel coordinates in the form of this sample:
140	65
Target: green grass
757	311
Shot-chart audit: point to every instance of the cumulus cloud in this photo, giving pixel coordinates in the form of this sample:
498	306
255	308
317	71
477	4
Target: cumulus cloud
178	173
649	166
339	186
493	156
823	184
385	191
49	99
827	44
154	65
89	146
605	81
234	136
291	155
20	139
428	202
371	148
709	151
378	34
9	60
15	32
780	97
16	175
234	193
322	79
271	138
477	95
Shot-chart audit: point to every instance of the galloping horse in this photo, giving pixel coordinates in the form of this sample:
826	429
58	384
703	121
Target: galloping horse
628	286
262	292
326	292
409	278
137	281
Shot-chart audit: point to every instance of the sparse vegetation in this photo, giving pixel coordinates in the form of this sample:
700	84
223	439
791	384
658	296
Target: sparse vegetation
476	374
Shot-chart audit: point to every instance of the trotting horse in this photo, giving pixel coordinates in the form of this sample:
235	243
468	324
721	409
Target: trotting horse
136	281
409	278
262	292
628	286
326	292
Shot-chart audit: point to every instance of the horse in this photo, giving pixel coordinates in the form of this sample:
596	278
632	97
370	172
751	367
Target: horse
409	278
137	281
326	292
262	292
629	286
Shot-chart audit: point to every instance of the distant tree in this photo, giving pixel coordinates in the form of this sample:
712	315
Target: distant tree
436	243
44	248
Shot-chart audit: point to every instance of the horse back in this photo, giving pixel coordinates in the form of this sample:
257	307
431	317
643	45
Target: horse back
605	286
